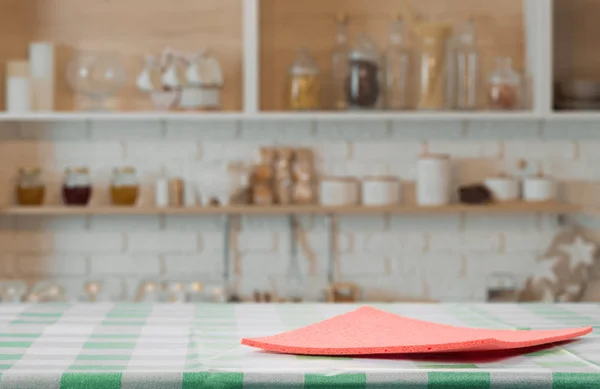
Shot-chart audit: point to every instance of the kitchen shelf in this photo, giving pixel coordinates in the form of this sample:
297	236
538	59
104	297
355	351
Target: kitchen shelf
516	207
278	116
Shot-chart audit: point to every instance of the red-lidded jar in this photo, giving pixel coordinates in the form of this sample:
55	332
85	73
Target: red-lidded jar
77	187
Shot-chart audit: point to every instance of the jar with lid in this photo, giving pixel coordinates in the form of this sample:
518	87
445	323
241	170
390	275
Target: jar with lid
464	68
302	171
283	177
125	187
363	82
30	189
304	84
398	65
339	65
77	186
432	89
504	86
262	178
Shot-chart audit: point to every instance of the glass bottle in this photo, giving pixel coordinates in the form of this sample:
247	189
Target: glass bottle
397	67
149	78
339	65
77	187
504	86
304	85
125	187
363	83
465	69
432	89
30	188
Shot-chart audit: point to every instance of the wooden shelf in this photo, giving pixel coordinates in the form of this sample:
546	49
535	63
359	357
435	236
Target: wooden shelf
518	207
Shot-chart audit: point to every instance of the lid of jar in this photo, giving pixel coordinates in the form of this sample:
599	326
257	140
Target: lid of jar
27	171
125	170
364	50
77	170
304	63
342	17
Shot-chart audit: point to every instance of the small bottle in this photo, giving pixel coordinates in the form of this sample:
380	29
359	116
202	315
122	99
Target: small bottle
504	86
398	64
125	187
30	188
77	187
465	69
339	65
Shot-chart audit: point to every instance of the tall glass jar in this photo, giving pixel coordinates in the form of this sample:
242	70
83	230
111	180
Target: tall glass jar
363	83
125	187
432	88
465	69
505	86
397	68
30	189
77	186
339	65
304	85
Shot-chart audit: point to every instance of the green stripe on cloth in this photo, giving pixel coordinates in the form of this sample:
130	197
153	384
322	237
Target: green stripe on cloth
109	345
575	380
458	380
91	381
212	381
345	381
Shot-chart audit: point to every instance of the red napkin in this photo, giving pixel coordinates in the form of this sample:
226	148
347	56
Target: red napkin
368	331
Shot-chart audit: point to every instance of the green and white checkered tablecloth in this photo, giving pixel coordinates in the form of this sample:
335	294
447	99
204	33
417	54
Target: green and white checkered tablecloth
198	346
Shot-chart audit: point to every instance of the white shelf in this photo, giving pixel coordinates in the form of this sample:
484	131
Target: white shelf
287	116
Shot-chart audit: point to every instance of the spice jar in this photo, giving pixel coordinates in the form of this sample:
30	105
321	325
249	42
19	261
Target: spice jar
283	177
125	187
504	86
304	85
302	171
30	190
363	83
77	187
262	179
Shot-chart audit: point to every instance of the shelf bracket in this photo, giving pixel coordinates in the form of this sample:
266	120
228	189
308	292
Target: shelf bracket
332	230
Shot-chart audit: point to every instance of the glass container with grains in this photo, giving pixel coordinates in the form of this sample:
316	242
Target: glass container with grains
125	187
304	85
30	189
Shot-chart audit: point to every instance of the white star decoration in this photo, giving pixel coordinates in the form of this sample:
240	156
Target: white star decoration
545	271
579	252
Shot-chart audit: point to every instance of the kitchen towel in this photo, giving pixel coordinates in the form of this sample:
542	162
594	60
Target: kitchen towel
369	331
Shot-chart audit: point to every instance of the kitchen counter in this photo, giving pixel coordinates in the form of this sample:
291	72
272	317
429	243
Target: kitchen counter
198	346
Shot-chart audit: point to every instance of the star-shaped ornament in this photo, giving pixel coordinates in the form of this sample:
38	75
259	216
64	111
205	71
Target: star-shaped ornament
580	251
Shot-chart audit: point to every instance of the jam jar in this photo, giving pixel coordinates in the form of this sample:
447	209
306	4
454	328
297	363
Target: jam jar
77	187
125	187
30	189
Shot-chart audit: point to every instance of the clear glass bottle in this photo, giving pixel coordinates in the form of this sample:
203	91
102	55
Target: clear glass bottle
125	187
505	86
363	83
432	88
30	188
304	85
397	67
339	65
465	69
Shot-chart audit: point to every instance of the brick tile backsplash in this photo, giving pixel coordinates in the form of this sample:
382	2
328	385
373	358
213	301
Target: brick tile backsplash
441	257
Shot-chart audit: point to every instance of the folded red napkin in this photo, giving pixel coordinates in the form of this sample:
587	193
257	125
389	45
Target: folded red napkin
369	331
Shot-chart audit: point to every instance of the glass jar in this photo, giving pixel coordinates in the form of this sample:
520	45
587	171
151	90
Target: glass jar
398	65
30	189
125	187
77	186
339	65
363	83
505	86
432	88
304	85
283	177
465	69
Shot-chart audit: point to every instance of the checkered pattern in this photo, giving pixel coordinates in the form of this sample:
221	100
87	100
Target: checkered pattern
198	346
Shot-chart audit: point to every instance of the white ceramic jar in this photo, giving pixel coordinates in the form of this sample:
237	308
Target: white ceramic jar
539	189
434	180
504	189
339	192
381	191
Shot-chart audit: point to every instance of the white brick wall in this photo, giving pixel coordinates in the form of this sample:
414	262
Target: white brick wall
440	257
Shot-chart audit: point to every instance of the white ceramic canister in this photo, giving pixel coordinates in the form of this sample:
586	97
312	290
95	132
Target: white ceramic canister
381	191
434	180
504	189
18	87
339	192
538	189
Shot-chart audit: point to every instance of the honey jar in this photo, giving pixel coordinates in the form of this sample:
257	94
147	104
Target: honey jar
77	187
125	187
30	189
